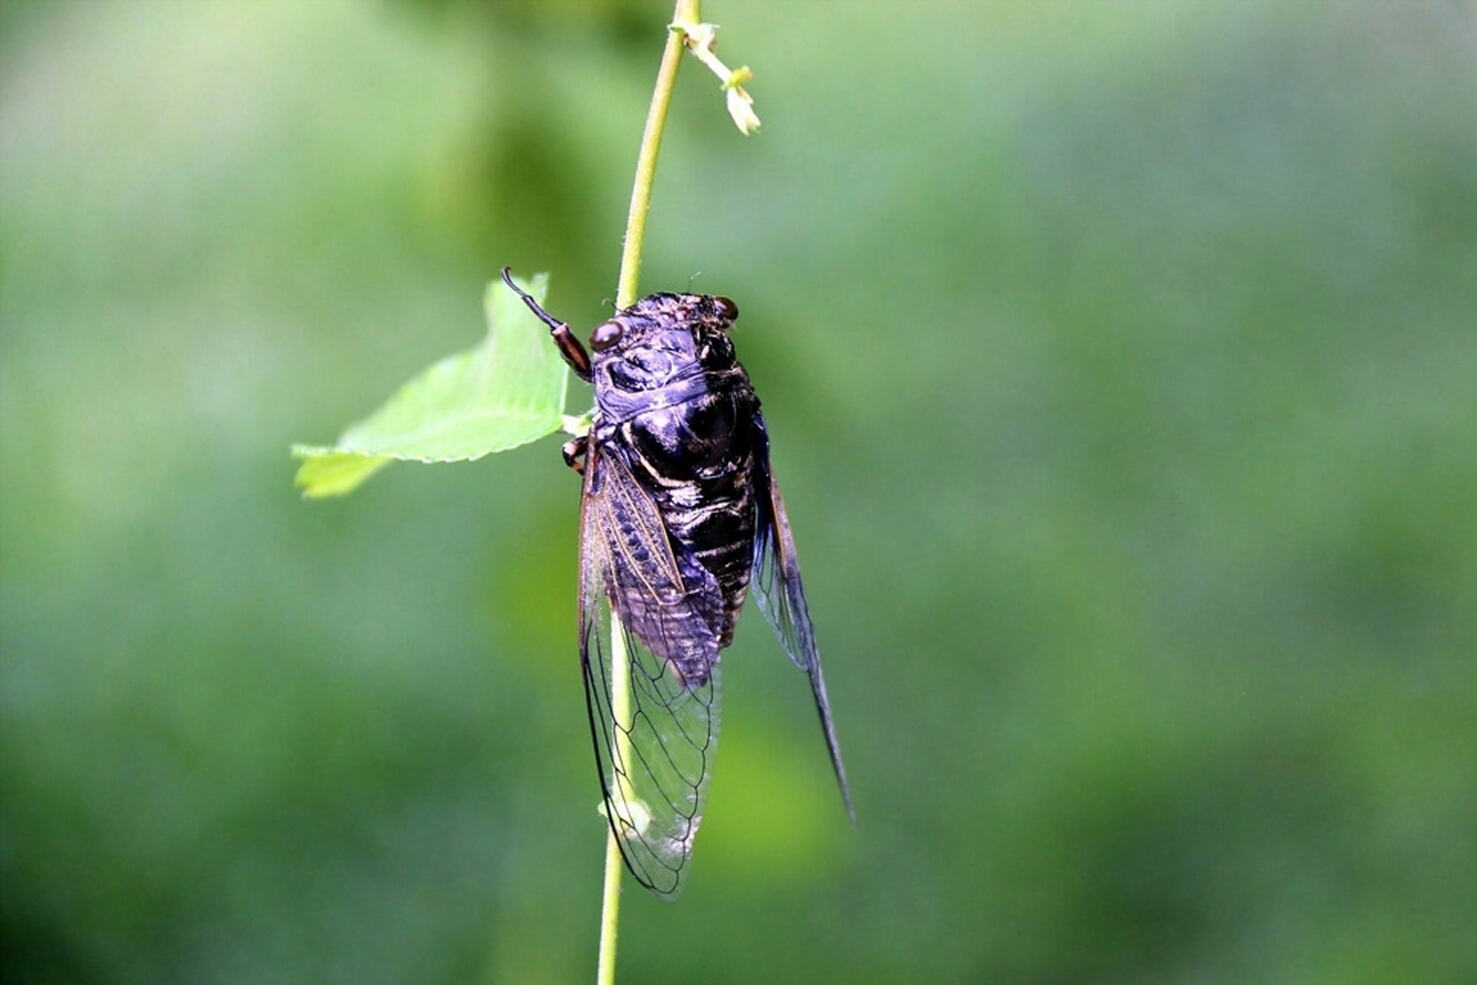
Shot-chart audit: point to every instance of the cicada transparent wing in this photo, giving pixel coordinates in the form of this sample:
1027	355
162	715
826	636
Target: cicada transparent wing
781	596
652	685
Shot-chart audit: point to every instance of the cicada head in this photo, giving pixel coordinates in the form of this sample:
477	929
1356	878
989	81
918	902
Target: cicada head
664	338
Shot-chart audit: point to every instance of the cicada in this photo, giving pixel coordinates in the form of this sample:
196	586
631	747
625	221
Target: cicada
680	519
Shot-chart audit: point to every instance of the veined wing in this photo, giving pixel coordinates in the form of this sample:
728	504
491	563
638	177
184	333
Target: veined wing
651	683
781	596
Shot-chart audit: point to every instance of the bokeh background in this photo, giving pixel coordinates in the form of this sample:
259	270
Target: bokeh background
1121	362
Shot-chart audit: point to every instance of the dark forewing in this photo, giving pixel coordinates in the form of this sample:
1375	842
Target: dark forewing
655	755
781	596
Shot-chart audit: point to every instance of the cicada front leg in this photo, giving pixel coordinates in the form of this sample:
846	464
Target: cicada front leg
574	451
570	347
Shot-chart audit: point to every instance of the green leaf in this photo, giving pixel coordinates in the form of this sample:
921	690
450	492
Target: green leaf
506	392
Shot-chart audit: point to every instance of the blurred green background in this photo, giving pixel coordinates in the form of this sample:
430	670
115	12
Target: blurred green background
1121	362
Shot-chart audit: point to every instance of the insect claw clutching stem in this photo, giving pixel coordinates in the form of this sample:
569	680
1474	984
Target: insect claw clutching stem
570	347
574	452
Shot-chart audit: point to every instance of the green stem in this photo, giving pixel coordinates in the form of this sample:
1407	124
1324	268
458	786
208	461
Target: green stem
610	904
625	295
651	144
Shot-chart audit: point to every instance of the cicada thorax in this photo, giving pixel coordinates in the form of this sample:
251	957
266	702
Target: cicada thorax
675	404
698	466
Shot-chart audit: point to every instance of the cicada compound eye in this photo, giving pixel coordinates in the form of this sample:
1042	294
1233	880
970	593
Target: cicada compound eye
726	308
605	335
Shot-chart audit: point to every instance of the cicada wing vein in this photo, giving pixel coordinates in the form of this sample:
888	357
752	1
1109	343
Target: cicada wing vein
653	691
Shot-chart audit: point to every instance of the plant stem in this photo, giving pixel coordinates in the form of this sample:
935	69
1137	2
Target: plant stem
610	904
651	144
625	294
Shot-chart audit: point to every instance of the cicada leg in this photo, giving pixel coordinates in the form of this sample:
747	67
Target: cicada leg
570	347
574	451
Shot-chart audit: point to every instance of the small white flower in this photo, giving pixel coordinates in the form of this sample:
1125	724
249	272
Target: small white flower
741	108
701	39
